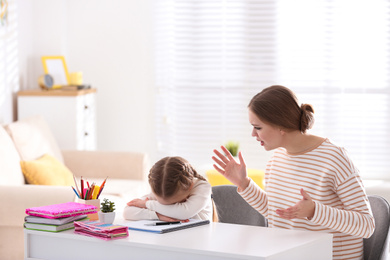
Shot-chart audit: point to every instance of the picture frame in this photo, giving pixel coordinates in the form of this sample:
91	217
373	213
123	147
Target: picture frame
56	67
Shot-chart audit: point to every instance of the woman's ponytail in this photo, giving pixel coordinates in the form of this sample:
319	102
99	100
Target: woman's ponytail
307	117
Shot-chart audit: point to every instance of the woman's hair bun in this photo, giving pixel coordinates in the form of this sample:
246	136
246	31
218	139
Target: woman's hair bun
307	117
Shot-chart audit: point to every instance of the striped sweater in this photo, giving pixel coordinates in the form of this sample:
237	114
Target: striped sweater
330	178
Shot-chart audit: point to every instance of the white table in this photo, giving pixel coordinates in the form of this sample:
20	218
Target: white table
214	241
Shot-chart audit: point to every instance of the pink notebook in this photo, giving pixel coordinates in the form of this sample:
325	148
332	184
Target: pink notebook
62	210
101	230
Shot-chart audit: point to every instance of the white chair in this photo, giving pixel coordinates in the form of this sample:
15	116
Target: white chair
377	246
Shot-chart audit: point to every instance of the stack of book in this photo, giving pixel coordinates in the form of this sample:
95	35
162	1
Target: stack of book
101	230
51	224
57	217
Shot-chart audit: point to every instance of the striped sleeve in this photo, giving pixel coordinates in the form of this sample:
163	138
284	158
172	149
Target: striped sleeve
355	219
256	197
331	179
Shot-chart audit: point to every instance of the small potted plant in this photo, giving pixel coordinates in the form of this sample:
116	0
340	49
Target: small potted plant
232	147
106	213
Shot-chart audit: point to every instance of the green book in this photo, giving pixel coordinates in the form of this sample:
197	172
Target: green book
50	228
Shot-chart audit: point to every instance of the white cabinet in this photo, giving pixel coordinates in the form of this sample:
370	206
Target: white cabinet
71	115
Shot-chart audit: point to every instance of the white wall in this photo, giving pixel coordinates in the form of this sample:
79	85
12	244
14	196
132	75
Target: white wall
111	43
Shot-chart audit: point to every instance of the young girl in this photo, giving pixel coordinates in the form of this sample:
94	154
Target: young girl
310	182
178	193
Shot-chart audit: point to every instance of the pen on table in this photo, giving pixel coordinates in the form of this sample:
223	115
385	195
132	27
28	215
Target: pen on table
163	223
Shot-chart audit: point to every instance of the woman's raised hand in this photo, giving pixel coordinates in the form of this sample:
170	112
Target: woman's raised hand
230	169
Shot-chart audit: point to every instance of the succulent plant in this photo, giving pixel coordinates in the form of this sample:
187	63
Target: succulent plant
107	206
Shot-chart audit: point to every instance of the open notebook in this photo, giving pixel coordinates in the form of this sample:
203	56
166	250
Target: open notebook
146	225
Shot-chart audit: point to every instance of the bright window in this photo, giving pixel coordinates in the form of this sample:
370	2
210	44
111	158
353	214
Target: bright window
213	56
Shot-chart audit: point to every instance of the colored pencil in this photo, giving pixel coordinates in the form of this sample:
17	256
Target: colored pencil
82	187
90	193
86	195
75	183
100	191
75	192
101	187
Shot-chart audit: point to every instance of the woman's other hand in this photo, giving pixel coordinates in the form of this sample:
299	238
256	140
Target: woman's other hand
305	208
230	169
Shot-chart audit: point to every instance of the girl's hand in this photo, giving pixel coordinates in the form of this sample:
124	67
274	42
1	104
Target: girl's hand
140	203
230	169
169	219
303	209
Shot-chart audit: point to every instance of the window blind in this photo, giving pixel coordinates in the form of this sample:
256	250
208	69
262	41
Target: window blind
9	72
213	56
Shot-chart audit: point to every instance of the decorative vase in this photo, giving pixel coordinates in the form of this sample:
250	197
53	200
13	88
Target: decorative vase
106	217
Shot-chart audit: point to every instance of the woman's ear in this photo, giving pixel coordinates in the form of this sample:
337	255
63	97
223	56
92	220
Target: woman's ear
282	132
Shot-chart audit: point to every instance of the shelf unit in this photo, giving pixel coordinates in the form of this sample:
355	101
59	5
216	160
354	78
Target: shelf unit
71	114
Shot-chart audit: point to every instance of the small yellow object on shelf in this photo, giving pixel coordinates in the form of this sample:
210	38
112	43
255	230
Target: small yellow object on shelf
215	178
76	78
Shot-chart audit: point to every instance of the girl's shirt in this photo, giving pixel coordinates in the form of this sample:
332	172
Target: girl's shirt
334	184
198	205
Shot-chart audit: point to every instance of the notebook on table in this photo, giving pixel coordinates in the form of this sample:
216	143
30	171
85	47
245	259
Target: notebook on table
50	228
149	225
53	221
101	230
62	210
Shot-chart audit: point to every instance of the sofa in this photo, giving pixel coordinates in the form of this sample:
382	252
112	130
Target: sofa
23	144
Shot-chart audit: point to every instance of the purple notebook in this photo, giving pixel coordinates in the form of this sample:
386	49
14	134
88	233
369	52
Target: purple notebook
62	210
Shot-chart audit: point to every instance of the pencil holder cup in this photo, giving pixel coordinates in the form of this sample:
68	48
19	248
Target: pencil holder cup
96	203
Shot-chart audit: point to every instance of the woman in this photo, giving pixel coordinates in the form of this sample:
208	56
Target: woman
310	182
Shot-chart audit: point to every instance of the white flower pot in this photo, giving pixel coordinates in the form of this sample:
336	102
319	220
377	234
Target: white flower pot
106	217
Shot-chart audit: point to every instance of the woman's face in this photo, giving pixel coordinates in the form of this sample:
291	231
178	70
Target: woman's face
269	136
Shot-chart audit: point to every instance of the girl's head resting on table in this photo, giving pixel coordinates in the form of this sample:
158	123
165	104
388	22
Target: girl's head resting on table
278	106
171	179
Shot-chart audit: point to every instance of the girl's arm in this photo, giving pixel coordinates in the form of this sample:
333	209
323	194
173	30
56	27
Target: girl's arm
139	213
135	213
199	198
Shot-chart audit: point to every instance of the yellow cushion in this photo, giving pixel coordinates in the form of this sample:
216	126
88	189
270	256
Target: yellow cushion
215	178
47	170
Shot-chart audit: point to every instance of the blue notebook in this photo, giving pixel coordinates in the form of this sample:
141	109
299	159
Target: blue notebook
147	225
